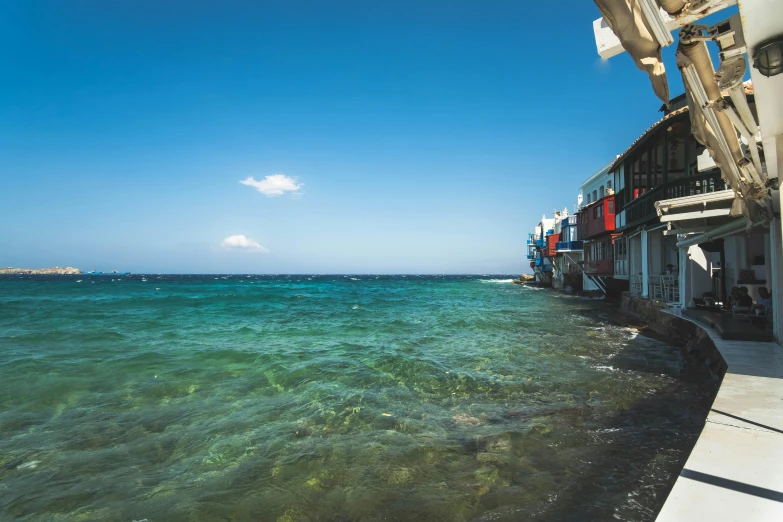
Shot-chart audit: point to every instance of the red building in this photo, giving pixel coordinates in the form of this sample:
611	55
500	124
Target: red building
599	221
551	245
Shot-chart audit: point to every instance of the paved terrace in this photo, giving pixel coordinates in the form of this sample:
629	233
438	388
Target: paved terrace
735	471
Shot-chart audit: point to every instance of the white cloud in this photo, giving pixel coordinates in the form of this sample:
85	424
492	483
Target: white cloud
240	242
274	185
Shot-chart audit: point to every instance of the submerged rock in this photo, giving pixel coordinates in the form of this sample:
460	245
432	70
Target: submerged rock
29	465
462	418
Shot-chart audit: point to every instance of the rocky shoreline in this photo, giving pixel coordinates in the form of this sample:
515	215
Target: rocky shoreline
69	270
524	279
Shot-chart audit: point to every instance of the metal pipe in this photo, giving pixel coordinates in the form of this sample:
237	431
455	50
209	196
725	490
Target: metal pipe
697	53
673	7
741	103
751	139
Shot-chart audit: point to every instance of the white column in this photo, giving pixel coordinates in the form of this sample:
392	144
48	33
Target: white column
776	283
685	291
767	257
645	265
698	277
736	253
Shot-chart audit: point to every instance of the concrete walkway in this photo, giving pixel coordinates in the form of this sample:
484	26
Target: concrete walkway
735	471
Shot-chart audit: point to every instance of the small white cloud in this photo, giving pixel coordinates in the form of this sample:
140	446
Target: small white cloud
240	242
274	185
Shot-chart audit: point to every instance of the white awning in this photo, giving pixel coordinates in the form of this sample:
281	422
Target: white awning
608	44
698	214
691	214
642	40
727	229
666	205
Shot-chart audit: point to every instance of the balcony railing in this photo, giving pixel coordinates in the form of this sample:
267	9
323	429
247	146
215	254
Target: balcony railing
544	267
642	209
540	243
569	246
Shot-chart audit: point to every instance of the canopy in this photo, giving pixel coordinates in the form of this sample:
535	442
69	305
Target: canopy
627	21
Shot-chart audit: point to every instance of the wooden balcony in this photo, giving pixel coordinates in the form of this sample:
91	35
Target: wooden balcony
600	217
569	246
604	267
551	245
642	209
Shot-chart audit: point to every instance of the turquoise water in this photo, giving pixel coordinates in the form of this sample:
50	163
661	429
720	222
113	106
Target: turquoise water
332	398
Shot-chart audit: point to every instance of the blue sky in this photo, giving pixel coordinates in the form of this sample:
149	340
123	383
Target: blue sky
425	137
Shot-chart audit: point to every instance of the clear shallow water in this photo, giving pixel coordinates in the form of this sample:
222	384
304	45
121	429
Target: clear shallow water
332	398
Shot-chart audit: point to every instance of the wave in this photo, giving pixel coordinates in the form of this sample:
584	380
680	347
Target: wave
496	280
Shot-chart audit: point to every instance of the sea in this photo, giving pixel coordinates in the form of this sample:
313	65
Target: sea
333	398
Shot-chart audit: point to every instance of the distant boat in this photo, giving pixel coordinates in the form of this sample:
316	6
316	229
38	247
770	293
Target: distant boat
112	273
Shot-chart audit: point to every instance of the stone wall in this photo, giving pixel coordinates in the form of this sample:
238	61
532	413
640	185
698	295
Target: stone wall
694	342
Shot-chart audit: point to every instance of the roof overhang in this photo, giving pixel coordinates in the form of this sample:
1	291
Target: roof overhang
726	229
666	205
695	214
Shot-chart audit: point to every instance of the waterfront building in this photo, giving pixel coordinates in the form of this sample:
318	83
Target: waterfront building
595	227
541	265
664	163
698	194
567	264
720	227
541	246
533	252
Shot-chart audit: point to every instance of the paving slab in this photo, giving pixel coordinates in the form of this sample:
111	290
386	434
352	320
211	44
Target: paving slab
735	471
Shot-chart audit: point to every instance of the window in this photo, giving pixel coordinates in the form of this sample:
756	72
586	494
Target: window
602	191
658	160
638	180
676	152
595	195
610	207
608	184
588	198
599	251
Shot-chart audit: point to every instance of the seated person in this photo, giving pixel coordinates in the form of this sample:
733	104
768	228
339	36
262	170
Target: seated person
764	298
669	270
740	302
734	297
764	303
745	299
742	298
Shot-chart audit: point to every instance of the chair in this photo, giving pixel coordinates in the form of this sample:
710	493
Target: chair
656	287
671	288
636	285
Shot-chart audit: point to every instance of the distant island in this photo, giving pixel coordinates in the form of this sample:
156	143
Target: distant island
41	271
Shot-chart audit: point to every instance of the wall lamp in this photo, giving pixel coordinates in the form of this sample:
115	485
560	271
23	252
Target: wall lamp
768	57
